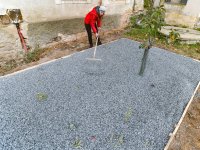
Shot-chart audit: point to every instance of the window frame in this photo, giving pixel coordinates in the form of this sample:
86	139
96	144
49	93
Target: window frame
58	2
120	1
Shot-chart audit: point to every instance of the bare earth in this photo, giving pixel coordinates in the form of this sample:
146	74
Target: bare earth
188	135
56	50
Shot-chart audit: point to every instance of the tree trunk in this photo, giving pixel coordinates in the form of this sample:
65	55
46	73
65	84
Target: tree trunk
145	56
144	60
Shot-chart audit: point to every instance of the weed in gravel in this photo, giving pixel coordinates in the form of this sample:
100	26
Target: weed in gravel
72	126
41	96
77	144
128	115
121	139
116	140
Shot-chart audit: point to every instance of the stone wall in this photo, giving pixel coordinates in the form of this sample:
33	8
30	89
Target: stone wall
175	15
42	33
174	18
183	15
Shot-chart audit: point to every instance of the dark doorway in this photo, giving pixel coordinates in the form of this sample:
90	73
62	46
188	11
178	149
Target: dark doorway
184	2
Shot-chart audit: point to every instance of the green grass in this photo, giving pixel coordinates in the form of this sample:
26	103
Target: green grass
136	33
198	29
190	50
34	55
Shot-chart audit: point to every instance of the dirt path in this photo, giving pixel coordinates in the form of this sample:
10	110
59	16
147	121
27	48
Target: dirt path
56	50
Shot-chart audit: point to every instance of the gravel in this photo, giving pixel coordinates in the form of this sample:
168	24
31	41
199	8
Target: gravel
97	105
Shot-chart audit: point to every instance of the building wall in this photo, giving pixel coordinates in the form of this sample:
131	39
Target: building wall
138	5
48	10
43	32
192	8
183	15
45	19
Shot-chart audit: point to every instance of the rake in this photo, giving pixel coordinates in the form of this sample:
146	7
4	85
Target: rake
94	55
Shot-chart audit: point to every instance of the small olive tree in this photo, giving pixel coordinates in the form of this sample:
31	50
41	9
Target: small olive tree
152	21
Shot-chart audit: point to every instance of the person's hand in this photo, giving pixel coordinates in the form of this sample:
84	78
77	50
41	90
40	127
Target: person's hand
99	28
97	35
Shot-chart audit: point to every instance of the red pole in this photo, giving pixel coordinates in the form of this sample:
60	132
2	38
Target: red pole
22	39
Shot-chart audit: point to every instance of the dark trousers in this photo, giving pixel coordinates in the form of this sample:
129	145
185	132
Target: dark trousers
89	33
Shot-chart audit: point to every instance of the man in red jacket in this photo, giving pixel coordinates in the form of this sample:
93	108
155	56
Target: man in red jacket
93	21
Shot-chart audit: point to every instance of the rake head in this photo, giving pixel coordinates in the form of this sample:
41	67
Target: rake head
93	59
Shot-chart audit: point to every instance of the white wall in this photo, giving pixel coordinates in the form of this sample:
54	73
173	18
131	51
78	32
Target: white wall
192	8
139	5
46	10
156	3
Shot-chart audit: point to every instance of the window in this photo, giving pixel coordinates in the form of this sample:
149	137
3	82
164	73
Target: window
120	1
72	1
184	2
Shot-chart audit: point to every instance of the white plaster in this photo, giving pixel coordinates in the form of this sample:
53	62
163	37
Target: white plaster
192	8
139	5
47	10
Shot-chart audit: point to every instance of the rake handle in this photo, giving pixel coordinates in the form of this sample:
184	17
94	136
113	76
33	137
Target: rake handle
95	48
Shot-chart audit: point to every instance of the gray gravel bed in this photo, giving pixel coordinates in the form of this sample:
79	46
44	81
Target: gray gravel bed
97	105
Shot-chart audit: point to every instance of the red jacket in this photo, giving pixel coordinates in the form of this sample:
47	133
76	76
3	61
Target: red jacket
92	18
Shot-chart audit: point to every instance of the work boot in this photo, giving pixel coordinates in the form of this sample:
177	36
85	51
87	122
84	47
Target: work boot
99	43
